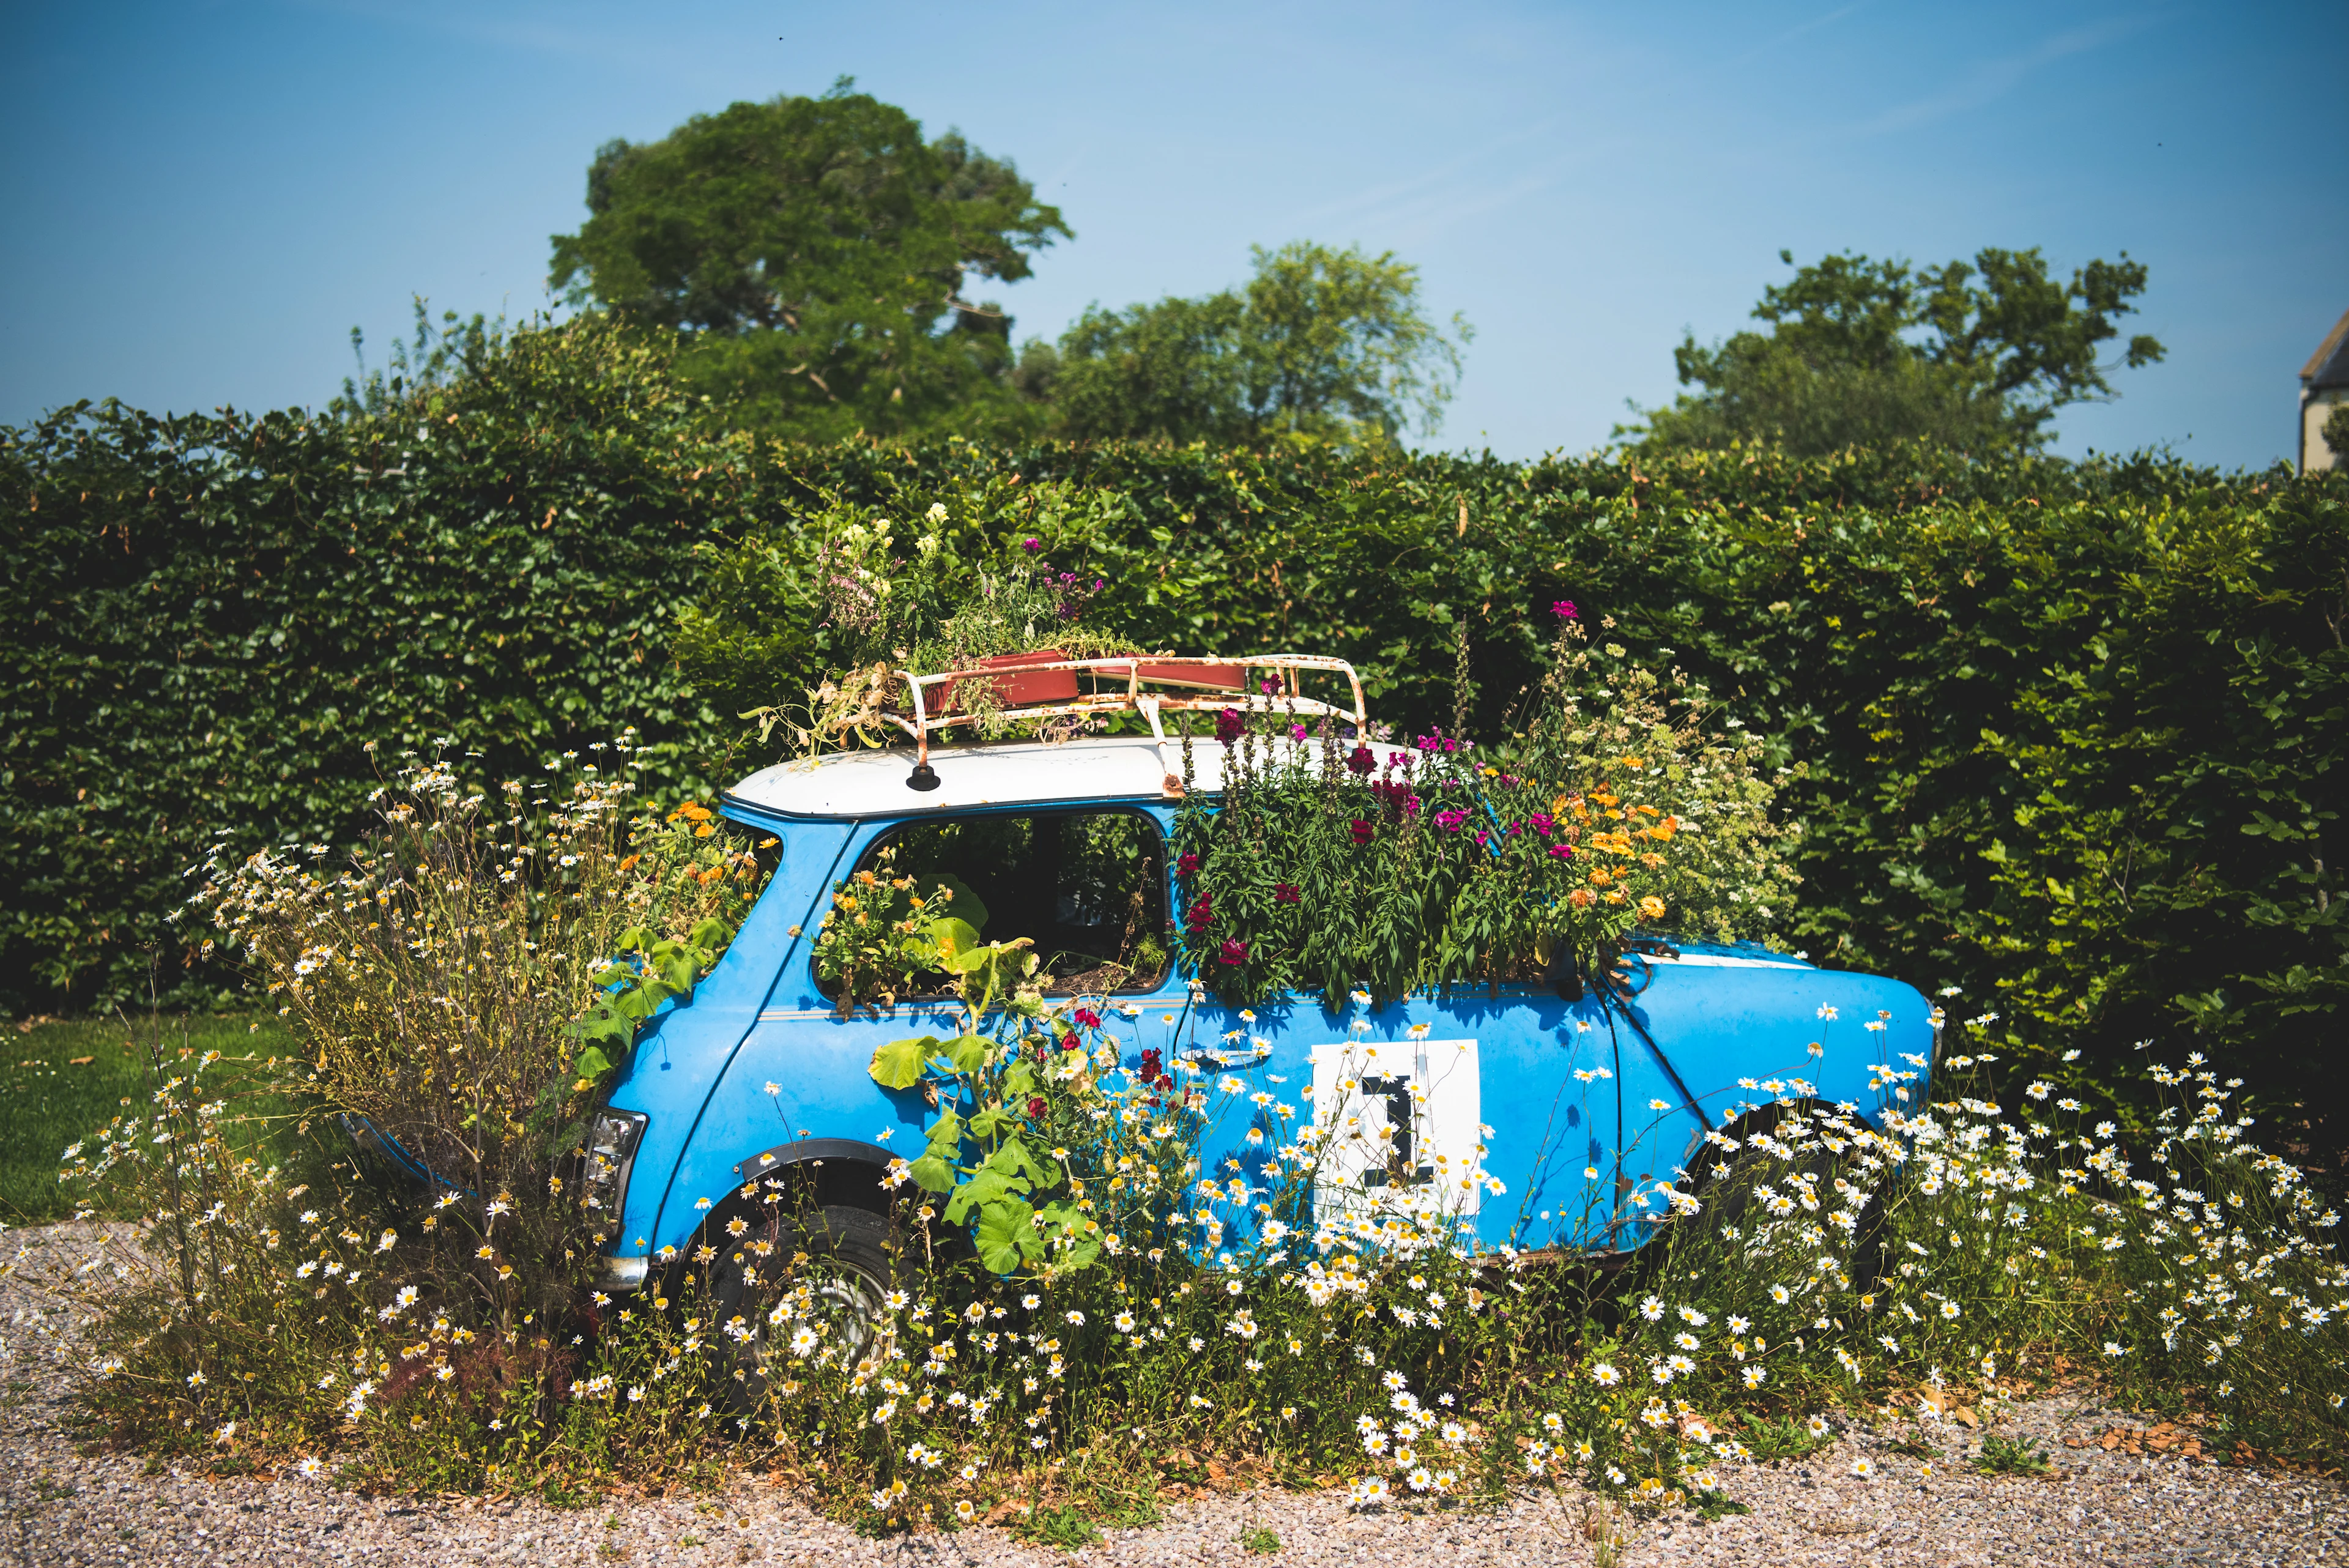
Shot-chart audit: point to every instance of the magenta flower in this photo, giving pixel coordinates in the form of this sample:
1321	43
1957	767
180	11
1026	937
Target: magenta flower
1564	609
1229	726
1233	953
1561	851
1031	545
1450	820
1186	863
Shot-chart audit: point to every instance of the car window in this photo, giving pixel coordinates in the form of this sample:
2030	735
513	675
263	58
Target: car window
1087	887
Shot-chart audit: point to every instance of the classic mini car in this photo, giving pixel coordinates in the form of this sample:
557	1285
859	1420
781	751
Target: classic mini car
1558	1084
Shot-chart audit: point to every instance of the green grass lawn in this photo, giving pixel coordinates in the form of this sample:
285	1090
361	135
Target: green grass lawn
60	1082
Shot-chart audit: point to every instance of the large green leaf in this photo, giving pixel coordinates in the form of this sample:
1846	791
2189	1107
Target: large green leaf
932	1174
898	1064
967	1053
967	906
986	1186
1007	1236
1013	1159
951	938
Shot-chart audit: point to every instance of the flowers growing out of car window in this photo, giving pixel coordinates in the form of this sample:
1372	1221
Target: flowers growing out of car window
1336	861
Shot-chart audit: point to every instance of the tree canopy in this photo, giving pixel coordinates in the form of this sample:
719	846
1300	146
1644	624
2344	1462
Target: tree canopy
815	253
1319	345
1978	355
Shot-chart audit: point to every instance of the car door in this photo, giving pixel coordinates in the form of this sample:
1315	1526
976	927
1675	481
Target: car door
1497	1109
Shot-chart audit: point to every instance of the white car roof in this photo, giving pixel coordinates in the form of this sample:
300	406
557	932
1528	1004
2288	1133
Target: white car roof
873	784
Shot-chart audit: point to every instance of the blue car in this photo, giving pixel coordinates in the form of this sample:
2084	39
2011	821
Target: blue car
1546	1114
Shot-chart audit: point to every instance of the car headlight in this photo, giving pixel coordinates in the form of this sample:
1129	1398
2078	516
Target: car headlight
612	1141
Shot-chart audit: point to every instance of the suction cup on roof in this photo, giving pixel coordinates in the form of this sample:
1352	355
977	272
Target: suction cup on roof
924	777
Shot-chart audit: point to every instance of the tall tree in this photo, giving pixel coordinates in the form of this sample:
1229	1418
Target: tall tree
814	252
1319	345
1861	352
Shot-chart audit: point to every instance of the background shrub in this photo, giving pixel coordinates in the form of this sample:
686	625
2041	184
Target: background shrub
2074	732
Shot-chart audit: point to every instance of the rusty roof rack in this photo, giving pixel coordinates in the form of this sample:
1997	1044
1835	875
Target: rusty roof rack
1046	686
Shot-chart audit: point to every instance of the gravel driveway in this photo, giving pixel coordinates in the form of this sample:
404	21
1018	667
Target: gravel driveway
2108	1507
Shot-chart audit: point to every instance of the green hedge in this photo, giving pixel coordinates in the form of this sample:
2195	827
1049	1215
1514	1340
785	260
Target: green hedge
2073	733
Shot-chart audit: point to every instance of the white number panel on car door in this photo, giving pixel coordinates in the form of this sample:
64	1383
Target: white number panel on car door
1400	1123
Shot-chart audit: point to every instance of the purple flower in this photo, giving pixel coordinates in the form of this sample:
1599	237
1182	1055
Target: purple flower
1564	609
1233	953
1229	726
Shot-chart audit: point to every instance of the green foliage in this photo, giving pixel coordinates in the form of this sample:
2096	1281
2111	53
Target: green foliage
812	252
1843	365
2003	1456
2336	432
1322	345
217	613
650	969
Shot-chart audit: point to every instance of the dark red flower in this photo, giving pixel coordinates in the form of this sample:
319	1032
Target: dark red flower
1285	892
1361	830
1198	918
1230	726
1035	1106
1186	863
1070	1042
1233	953
1361	761
1153	1061
1087	1018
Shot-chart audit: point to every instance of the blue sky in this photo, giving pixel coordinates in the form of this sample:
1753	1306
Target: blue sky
203	199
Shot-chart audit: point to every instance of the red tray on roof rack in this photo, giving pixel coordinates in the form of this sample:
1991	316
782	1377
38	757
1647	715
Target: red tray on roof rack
1047	685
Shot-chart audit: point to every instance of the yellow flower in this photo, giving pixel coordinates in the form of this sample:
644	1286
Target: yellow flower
1651	908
